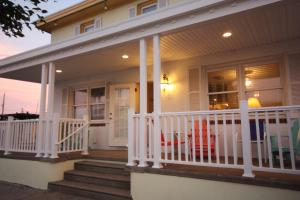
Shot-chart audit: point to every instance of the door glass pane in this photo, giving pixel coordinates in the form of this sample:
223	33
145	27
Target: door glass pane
223	101
80	111
80	97
97	112
222	81
263	85
98	95
121	106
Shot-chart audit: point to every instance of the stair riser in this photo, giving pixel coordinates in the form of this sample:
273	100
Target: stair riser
84	193
101	169
97	181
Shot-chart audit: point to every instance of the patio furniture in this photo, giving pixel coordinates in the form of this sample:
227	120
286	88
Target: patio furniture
286	150
204	140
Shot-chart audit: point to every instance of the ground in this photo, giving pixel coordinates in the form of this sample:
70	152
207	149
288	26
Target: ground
10	191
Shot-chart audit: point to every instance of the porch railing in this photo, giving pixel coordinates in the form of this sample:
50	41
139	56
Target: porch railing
250	139
46	137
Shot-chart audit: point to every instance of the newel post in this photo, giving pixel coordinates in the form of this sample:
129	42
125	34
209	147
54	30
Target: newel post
246	140
54	138
130	138
7	135
85	136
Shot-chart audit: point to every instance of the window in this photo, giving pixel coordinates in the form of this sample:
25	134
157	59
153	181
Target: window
222	89
80	103
261	86
87	26
263	83
90	102
147	7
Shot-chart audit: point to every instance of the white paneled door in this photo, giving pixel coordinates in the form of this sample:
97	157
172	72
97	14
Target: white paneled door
122	98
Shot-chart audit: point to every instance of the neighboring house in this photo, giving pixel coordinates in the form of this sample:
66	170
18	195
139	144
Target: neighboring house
210	83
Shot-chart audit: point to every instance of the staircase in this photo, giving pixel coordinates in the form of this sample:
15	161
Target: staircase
97	180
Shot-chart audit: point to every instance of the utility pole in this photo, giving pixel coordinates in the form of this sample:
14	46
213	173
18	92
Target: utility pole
3	104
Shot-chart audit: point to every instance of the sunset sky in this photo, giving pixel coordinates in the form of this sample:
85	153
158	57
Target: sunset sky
23	95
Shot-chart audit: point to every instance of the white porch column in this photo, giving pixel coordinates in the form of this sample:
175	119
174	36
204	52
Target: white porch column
157	101
143	101
246	140
42	109
51	84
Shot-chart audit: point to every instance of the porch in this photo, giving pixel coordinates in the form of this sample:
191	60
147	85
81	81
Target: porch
193	124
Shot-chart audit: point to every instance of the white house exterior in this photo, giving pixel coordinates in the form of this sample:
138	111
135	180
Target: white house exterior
134	73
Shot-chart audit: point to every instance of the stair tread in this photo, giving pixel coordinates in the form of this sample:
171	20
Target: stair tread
102	164
94	188
115	177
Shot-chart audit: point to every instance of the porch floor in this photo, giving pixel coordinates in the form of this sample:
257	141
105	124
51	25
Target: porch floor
278	180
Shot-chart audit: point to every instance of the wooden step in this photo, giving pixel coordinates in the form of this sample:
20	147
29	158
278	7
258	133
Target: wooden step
112	180
90	190
101	167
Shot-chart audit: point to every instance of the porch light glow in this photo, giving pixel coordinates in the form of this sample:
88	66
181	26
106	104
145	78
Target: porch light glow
227	34
248	82
58	71
253	103
125	56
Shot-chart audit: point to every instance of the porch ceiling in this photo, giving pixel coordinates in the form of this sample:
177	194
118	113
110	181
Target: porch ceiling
266	25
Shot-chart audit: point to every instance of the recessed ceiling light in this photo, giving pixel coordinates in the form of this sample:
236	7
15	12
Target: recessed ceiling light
58	71
227	34
125	56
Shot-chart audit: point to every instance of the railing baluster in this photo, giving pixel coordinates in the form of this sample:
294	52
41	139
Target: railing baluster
186	151
225	139
217	138
268	140
201	138
279	140
150	136
291	145
172	138
165	136
258	139
234	142
208	139
193	139
179	138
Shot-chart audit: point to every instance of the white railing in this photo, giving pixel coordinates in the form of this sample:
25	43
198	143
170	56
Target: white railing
71	137
45	137
22	137
2	135
277	139
240	138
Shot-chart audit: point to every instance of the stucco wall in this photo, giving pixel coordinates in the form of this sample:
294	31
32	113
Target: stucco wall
160	187
33	173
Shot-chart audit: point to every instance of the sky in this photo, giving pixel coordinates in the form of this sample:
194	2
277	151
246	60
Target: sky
19	95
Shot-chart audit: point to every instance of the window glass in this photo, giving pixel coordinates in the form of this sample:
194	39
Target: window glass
98	95
80	111
263	84
89	28
97	112
222	89
80	97
149	8
97	103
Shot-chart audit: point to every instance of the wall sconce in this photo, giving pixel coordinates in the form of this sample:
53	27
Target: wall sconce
253	103
164	85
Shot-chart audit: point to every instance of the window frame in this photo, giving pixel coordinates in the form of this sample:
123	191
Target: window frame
146	4
223	68
86	24
89	104
240	70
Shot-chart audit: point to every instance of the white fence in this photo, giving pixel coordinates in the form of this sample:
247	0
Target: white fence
265	139
45	137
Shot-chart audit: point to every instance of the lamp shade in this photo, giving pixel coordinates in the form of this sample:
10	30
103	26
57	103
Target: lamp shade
253	103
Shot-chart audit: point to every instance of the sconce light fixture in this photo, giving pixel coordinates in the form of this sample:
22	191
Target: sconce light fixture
165	83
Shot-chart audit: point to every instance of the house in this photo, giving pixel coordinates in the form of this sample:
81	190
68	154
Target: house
203	95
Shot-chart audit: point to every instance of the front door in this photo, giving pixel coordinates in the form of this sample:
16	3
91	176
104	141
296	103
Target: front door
122	98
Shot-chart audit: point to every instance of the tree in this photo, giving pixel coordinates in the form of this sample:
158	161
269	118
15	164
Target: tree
14	16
